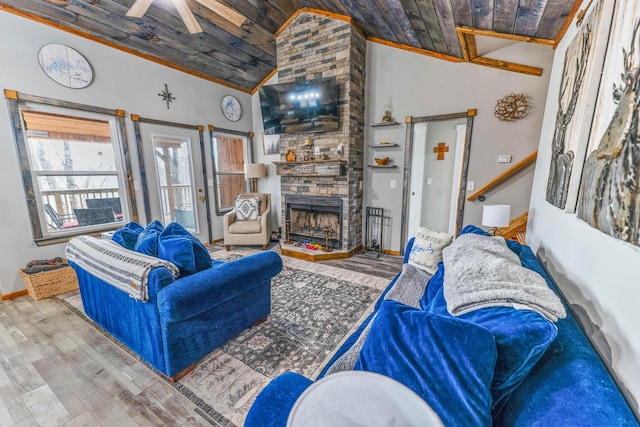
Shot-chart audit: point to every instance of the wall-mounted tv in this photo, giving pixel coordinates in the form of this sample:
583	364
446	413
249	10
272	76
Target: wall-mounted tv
306	106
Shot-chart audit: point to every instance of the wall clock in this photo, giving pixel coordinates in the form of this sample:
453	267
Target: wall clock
65	66
231	108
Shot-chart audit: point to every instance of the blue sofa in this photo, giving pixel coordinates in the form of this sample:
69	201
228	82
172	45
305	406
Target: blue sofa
184	318
568	385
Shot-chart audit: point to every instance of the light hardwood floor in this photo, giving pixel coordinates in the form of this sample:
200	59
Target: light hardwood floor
57	370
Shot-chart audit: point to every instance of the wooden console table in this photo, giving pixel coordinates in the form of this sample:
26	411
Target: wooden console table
311	168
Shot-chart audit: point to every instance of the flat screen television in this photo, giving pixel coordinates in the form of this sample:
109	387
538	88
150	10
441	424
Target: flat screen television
306	106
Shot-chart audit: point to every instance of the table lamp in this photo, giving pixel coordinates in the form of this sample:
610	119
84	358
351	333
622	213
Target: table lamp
255	171
495	216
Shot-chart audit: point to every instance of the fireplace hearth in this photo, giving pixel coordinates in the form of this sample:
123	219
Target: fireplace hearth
312	216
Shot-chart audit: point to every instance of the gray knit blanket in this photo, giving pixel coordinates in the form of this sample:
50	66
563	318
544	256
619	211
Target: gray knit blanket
481	271
116	265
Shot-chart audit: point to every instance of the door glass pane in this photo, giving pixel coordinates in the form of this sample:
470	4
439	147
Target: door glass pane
175	178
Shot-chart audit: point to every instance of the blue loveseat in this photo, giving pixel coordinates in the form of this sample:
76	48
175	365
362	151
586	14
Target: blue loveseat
186	317
566	383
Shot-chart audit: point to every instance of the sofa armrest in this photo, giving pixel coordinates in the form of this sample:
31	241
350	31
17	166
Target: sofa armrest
191	295
272	406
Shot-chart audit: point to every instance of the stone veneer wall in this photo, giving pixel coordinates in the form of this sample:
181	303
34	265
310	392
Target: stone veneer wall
315	46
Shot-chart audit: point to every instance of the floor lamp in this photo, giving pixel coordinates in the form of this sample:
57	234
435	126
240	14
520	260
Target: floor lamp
255	171
495	216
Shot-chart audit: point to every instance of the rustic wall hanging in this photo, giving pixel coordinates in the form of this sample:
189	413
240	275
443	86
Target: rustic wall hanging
512	107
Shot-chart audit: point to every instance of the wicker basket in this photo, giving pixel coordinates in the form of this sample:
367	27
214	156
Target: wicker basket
49	282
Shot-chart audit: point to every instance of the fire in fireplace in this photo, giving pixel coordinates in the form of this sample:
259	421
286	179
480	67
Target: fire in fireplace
312	216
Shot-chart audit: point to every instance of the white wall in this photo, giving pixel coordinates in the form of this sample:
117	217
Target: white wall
120	81
598	273
423	86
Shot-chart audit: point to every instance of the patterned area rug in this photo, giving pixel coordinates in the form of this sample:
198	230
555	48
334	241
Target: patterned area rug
314	307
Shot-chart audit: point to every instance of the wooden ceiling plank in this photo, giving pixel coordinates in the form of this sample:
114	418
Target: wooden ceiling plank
268	9
529	15
445	15
419	26
399	17
374	20
462	13
288	7
257	16
555	14
482	12
430	17
504	16
419	51
336	6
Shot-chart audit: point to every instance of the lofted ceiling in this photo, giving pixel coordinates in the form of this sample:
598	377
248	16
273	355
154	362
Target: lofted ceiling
236	45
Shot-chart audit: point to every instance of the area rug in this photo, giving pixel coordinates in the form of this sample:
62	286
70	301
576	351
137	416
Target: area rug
314	307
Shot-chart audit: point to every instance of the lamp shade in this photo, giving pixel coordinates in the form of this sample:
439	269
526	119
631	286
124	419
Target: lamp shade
255	170
496	215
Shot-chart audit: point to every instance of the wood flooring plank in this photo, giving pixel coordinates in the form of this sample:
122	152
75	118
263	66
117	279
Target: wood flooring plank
45	406
107	411
172	402
86	419
57	379
23	375
12	407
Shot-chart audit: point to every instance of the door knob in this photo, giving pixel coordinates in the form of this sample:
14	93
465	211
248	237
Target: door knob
202	198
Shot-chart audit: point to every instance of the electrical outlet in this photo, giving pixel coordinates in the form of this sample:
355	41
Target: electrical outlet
392	183
429	181
471	185
504	158
317	151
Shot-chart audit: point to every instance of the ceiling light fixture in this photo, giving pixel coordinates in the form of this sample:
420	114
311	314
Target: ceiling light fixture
140	7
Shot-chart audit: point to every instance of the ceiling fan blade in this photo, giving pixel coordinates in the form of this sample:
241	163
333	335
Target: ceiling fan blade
187	16
139	8
223	10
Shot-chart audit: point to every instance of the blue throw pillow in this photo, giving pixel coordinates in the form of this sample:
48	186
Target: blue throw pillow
178	246
522	337
449	362
147	242
127	235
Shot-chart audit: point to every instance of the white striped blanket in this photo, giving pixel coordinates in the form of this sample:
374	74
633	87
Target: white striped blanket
118	266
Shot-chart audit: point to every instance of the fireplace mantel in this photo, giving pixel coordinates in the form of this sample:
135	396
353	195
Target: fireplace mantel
311	168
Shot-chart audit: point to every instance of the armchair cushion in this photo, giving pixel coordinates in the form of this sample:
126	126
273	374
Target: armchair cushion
248	209
127	235
147	242
245	227
177	245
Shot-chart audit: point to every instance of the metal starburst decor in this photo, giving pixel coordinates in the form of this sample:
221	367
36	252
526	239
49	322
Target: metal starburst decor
166	95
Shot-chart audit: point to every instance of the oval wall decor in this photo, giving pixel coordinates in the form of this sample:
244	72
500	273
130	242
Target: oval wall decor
65	66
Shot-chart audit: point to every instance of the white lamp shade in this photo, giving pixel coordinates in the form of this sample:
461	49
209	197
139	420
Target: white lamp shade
496	215
255	170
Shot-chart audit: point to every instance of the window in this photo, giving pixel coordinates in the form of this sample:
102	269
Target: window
73	169
230	153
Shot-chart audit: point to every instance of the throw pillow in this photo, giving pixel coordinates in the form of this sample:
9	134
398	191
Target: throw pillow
247	209
427	249
147	242
449	362
127	235
522	337
178	246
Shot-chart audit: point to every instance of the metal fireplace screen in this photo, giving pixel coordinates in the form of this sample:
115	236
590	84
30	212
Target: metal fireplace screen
312	216
373	229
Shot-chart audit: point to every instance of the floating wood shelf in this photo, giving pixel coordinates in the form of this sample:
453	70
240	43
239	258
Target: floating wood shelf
383	145
504	175
393	123
332	167
383	166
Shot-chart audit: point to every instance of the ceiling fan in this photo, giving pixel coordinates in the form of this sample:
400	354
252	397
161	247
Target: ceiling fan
139	8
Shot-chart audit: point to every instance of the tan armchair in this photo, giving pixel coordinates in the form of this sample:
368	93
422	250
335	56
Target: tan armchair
249	232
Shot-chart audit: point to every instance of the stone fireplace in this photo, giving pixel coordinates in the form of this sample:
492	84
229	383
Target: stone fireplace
315	218
314	46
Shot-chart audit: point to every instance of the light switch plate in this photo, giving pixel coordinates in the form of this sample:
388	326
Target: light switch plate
504	158
392	183
471	185
429	181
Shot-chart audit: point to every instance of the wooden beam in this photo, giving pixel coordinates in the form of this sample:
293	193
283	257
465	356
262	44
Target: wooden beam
139	8
504	175
416	50
506	65
224	11
187	16
514	37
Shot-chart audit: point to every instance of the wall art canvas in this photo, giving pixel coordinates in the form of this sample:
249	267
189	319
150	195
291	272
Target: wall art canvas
271	144
583	63
609	197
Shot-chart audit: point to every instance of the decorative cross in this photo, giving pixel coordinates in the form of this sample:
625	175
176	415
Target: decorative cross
166	95
441	149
